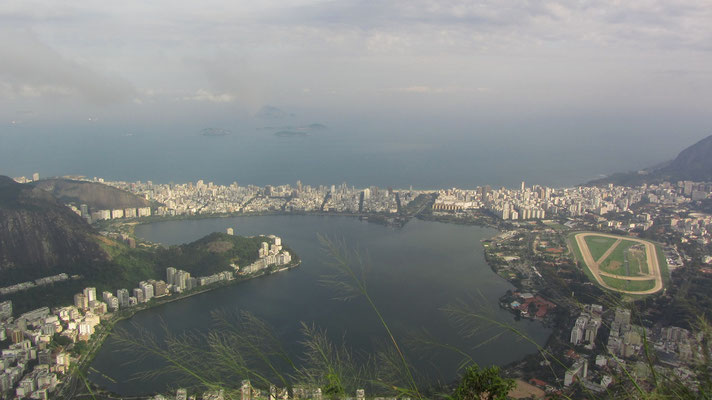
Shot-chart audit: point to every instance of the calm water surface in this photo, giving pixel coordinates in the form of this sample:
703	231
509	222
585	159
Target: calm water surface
414	272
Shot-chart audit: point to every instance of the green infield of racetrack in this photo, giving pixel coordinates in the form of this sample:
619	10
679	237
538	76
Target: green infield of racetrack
598	245
637	265
578	258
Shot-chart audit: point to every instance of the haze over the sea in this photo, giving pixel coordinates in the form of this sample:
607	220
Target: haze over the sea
362	152
418	92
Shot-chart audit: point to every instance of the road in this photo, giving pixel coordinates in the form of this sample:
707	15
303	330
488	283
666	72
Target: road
593	266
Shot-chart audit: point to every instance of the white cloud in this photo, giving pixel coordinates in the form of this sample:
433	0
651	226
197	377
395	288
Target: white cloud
204	95
421	89
29	68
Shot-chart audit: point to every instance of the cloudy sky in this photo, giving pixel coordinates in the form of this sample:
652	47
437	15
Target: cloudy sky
71	58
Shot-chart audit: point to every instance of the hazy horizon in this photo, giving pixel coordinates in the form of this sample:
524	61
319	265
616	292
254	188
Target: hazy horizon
558	93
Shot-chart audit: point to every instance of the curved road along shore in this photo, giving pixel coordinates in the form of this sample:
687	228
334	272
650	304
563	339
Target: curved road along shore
593	266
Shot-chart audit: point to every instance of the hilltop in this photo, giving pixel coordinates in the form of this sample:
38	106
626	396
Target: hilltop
97	196
213	253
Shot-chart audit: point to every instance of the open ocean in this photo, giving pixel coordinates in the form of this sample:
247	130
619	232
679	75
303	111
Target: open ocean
427	155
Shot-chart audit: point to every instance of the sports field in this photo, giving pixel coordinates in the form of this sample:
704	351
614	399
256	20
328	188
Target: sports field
622	264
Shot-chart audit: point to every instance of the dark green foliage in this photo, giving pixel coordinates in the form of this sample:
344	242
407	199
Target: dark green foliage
127	267
60	340
486	383
212	254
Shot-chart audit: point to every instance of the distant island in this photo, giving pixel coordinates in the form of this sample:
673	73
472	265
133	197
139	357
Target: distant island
291	134
292	131
214	132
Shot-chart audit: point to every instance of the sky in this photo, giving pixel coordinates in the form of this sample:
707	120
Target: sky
639	68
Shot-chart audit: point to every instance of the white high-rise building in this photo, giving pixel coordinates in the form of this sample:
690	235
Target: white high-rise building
147	289
90	294
170	275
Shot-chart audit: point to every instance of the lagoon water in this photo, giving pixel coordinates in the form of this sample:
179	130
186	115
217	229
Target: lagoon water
413	273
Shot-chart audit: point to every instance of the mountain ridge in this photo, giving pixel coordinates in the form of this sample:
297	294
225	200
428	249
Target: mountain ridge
694	163
40	236
97	196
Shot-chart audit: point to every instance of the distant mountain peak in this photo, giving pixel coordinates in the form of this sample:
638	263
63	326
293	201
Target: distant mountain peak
692	164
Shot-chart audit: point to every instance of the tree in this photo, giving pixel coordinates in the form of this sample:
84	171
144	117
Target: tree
479	384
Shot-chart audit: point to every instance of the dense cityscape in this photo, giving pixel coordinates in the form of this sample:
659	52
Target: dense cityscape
526	212
35	361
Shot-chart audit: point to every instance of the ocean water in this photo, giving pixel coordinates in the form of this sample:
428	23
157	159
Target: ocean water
413	273
386	152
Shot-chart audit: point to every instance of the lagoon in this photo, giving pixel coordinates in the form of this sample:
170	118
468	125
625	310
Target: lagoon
412	273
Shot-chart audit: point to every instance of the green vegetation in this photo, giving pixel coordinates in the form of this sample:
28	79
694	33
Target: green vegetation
598	245
632	252
126	267
486	384
419	204
212	254
571	239
662	262
636	286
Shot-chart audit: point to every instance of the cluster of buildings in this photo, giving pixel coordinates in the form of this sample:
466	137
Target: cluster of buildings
249	392
695	227
586	326
269	254
90	215
538	202
521	204
23	179
29	337
31	284
531	306
31	333
675	349
208	198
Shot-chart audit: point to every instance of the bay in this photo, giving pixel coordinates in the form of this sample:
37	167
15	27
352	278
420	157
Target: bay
413	272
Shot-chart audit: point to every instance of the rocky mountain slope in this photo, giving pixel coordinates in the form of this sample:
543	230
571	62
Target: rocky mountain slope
693	164
39	236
